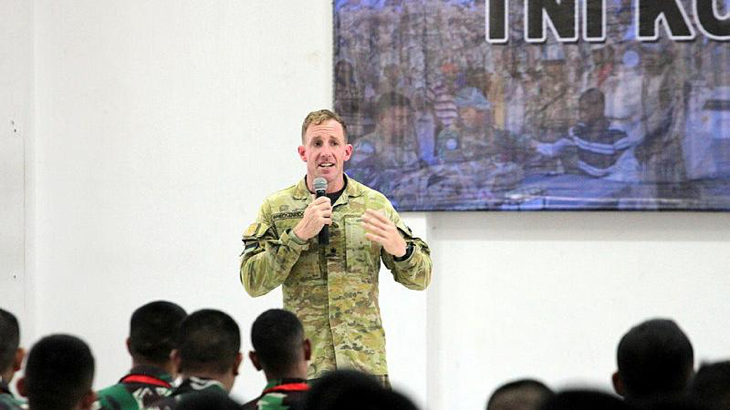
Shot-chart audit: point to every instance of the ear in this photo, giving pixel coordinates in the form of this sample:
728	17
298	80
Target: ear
254	360
307	345
348	152
175	356
618	384
302	151
237	363
19	355
88	400
129	346
20	385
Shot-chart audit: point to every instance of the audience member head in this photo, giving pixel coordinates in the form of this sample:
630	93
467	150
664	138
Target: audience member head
583	399
711	385
655	358
58	374
394	114
523	394
153	334
208	346
11	355
280	348
352	390
207	401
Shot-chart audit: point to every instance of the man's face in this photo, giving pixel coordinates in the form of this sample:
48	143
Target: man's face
590	110
325	151
394	121
473	119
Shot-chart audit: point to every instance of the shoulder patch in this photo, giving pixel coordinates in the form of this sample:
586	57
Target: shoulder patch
251	230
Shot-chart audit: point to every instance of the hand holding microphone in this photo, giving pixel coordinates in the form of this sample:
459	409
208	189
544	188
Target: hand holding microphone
317	216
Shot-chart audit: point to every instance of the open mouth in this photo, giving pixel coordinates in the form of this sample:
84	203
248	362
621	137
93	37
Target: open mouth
326	165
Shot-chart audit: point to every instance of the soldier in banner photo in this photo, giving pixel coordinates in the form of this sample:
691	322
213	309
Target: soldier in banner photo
391	150
598	149
332	288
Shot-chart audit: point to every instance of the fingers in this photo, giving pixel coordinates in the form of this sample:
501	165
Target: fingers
377	219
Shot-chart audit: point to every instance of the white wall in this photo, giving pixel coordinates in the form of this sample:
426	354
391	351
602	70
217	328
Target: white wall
160	126
15	111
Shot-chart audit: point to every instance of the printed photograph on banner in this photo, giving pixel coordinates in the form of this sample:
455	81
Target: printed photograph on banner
537	105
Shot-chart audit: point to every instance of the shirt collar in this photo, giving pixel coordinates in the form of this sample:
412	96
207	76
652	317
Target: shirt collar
152	371
352	189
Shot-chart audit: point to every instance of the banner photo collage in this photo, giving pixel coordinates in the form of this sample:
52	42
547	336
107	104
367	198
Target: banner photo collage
537	104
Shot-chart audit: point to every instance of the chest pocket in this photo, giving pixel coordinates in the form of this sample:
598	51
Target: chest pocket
306	269
362	255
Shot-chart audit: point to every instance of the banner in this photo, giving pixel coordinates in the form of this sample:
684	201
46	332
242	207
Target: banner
537	104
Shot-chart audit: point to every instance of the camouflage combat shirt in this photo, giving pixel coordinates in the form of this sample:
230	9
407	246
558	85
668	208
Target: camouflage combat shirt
143	386
279	394
190	386
333	289
7	400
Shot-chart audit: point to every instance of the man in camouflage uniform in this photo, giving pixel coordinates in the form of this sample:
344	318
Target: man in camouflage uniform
333	289
282	352
208	357
11	357
152	333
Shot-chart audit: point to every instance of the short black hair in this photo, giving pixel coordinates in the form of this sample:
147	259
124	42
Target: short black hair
711	385
584	399
392	99
515	394
153	331
277	336
655	358
58	373
208	340
594	95
9	339
353	390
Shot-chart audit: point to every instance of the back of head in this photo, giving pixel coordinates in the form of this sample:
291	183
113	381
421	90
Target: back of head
207	401
584	399
9	340
523	394
153	331
58	373
352	390
208	341
711	385
655	358
277	337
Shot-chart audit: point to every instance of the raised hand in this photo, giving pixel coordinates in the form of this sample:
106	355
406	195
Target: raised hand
383	231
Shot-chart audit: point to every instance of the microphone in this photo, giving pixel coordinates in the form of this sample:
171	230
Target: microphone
320	189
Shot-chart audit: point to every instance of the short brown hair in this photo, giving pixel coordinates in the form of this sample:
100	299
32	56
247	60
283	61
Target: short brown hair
320	116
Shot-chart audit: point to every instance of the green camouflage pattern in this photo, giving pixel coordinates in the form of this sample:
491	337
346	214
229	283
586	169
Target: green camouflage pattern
133	396
8	401
333	289
190	386
278	399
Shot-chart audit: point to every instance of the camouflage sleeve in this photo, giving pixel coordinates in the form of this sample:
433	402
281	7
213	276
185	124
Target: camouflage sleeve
268	256
414	272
